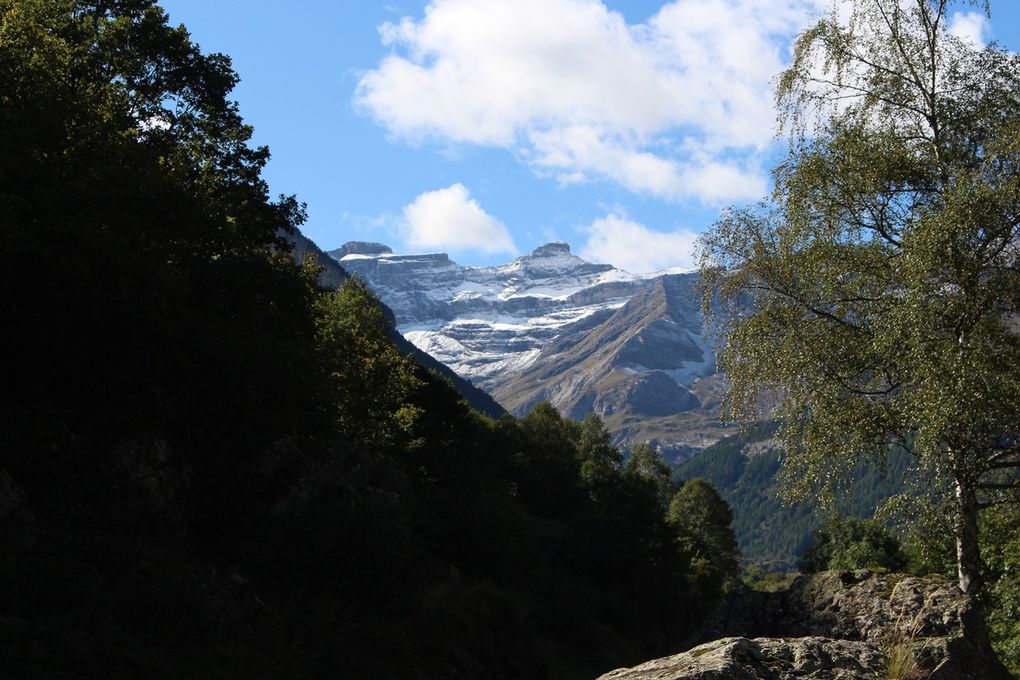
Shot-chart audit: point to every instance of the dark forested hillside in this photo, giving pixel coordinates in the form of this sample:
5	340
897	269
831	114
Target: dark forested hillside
771	533
212	468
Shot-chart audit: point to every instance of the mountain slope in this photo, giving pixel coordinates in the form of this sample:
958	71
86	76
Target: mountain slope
647	368
486	321
332	275
744	468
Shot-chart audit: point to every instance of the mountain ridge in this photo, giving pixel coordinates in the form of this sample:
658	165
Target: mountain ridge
332	274
551	326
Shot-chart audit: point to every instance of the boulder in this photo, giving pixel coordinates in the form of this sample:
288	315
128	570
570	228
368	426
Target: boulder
738	658
849	605
838	625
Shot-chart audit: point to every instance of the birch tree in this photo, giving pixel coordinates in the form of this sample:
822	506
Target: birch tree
884	267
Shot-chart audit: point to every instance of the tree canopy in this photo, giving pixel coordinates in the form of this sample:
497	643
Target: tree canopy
884	268
846	543
703	523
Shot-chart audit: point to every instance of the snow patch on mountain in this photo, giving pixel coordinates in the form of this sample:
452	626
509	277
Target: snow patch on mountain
483	321
552	326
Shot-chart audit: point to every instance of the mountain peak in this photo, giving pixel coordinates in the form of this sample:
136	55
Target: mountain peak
361	248
554	249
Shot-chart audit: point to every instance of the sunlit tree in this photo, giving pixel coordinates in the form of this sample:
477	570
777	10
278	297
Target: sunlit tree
884	269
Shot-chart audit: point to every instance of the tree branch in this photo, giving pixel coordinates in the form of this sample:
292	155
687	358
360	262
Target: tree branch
998	486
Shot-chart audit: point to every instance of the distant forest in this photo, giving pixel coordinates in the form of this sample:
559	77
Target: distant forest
772	533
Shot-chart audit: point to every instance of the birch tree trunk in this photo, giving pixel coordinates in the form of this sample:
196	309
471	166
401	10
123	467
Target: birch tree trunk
968	556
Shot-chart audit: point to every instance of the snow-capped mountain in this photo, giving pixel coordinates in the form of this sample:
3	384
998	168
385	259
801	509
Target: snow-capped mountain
551	325
486	321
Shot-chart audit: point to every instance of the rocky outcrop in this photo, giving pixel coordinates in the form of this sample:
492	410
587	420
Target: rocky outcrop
850	626
764	659
849	605
360	248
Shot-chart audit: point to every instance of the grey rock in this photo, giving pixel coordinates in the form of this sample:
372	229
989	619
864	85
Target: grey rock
360	248
551	249
845	625
849	605
662	344
649	393
763	659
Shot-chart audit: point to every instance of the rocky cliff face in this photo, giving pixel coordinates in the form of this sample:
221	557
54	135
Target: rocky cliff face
851	626
552	326
484	321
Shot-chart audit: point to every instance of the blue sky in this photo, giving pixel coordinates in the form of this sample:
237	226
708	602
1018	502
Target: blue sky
485	128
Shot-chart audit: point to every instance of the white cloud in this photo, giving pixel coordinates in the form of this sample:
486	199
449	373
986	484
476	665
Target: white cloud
449	219
573	153
636	248
719	182
659	108
971	27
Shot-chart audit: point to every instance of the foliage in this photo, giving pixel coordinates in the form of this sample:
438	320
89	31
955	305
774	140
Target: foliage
768	532
372	382
215	469
1001	553
745	468
756	578
924	520
883	268
703	522
645	462
599	457
848	543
